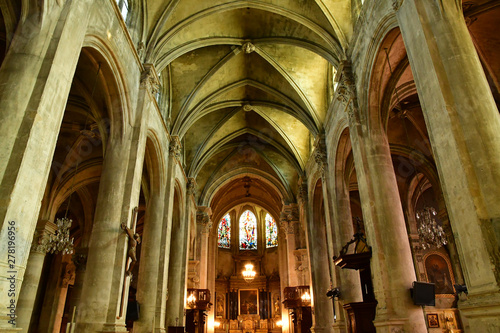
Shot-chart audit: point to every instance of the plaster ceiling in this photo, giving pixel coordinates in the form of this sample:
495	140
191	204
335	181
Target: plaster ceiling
249	82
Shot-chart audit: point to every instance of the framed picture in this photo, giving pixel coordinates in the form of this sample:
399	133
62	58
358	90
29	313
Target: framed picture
432	320
249	303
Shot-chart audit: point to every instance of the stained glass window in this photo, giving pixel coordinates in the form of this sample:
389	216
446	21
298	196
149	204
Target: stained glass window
271	232
225	232
248	231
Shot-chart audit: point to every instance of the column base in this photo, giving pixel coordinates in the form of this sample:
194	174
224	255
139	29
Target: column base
390	325
320	329
481	311
339	327
10	330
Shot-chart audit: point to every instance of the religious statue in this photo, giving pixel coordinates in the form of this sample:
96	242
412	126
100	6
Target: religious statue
277	307
133	240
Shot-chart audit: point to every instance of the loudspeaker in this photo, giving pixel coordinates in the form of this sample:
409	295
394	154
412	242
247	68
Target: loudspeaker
423	293
133	310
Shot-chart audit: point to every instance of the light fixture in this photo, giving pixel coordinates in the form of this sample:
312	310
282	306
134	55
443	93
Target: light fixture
306	297
279	323
216	324
248	273
430	233
191	301
60	241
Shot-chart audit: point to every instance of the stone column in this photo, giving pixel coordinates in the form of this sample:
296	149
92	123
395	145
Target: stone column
103	302
149	269
464	129
391	264
178	261
204	223
36	77
33	273
322	306
289	220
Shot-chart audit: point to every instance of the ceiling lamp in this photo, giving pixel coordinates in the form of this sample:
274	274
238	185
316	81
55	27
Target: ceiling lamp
430	233
60	241
248	273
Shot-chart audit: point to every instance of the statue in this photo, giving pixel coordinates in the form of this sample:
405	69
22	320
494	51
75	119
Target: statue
277	307
133	240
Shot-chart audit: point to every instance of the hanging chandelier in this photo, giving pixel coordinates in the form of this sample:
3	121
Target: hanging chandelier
248	273
430	233
60	241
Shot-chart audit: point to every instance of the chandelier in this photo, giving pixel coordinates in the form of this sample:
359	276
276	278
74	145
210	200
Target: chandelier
248	273
60	241
306	298
191	301
430	233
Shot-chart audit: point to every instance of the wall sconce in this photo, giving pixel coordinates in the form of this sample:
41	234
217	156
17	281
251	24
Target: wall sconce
279	323
216	324
191	301
306	298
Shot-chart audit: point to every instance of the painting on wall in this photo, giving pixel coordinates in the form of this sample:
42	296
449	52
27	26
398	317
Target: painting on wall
249	302
438	271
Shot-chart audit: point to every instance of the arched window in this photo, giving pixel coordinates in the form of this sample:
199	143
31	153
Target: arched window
225	232
248	231
271	232
123	6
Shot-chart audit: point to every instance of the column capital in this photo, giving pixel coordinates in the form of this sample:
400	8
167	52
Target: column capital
302	192
191	186
203	219
44	229
320	156
149	79
289	217
396	4
174	149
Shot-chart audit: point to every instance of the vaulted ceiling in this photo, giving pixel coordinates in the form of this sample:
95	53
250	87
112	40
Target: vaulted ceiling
248	83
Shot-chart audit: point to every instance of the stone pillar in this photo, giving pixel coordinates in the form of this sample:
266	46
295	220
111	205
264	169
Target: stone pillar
33	273
322	306
178	260
391	264
289	220
204	224
149	269
464	129
103	302
36	77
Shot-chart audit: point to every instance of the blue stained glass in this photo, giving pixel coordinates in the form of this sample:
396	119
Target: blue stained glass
248	231
271	232
224	234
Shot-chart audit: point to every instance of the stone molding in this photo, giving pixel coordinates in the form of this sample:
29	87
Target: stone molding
302	193
149	79
289	218
174	149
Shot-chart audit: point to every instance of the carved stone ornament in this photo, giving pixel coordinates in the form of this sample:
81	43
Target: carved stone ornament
289	218
149	78
247	107
191	186
396	4
302	193
346	90
320	156
40	242
174	150
248	48
203	219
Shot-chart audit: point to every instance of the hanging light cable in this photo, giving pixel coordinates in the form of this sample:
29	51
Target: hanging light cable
431	234
60	241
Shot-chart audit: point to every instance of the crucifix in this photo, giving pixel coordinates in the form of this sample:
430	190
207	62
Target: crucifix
134	239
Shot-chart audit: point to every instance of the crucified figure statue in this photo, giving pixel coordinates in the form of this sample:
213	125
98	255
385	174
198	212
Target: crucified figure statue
133	240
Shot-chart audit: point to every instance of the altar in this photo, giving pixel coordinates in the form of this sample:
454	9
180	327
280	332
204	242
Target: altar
248	324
